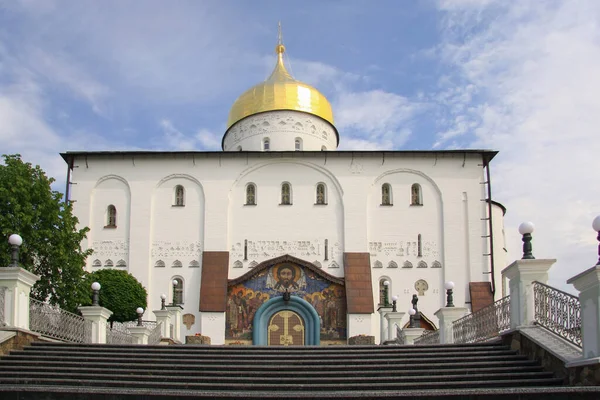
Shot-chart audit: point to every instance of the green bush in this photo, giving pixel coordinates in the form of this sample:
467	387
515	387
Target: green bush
120	292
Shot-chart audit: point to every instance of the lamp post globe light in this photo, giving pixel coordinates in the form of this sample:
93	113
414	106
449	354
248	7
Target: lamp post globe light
596	226
15	242
140	312
411	313
526	229
394	300
449	298
163	298
96	293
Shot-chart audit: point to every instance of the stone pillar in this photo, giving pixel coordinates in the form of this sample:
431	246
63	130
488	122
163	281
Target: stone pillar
393	319
18	283
383	310
588	284
164	317
521	274
447	316
140	333
98	316
176	320
411	334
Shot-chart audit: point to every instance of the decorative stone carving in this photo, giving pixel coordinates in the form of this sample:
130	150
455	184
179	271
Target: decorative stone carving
253	264
189	320
97	263
402	248
392	264
261	250
111	248
422	264
179	249
176	264
159	264
317	264
194	264
121	264
108	264
377	264
436	264
421	286
334	265
238	264
407	264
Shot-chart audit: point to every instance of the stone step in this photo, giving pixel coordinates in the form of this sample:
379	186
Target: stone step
226	368
280	387
10	370
167	377
116	359
58	392
274	357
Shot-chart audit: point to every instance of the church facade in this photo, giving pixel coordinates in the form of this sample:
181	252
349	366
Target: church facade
282	239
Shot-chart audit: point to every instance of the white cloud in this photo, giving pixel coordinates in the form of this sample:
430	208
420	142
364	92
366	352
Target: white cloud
527	84
174	139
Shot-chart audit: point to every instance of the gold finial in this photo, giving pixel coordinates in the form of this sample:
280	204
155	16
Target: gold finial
280	48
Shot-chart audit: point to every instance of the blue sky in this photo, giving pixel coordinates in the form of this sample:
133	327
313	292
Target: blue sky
520	77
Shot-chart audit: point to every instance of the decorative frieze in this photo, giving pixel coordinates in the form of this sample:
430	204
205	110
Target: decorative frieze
117	249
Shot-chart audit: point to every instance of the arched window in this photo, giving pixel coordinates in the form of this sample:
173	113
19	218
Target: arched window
286	193
159	264
121	264
111	216
179	196
251	194
108	264
416	197
384	290
386	194
176	264
97	263
321	194
298	144
266	144
178	291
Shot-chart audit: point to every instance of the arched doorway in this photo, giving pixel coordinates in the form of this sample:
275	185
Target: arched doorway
284	323
285	328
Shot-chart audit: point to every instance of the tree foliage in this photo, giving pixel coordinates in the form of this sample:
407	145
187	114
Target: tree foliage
120	292
51	240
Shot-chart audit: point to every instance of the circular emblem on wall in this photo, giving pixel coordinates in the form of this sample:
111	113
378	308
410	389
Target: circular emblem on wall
421	286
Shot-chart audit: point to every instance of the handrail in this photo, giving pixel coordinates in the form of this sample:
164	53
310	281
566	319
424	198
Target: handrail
483	324
558	311
56	323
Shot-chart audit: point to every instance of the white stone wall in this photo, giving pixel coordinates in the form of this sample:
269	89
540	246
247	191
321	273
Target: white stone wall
215	217
281	128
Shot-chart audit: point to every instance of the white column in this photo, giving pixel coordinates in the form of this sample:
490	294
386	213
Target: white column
383	310
393	319
164	317
98	317
411	334
140	333
176	319
18	283
588	284
447	316
522	274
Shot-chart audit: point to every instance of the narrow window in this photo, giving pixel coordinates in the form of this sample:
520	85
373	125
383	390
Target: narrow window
266	144
416	198
178	291
321	194
298	144
386	195
419	246
326	249
383	291
245	249
251	195
111	216
179	196
286	194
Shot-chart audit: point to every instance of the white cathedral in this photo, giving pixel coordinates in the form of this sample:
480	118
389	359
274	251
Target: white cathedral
282	239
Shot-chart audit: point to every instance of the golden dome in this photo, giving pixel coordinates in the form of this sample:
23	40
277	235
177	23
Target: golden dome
280	92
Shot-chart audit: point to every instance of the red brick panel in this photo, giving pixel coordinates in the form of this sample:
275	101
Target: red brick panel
359	286
213	286
481	295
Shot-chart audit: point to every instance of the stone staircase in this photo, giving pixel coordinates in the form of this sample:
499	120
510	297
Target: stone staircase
72	371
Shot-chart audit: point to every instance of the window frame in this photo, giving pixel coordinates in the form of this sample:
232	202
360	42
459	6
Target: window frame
282	198
390	200
111	216
179	196
416	198
249	186
324	200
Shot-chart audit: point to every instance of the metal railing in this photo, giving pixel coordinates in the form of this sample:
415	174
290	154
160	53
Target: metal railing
557	311
118	334
2	303
53	322
428	337
400	336
155	334
484	324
